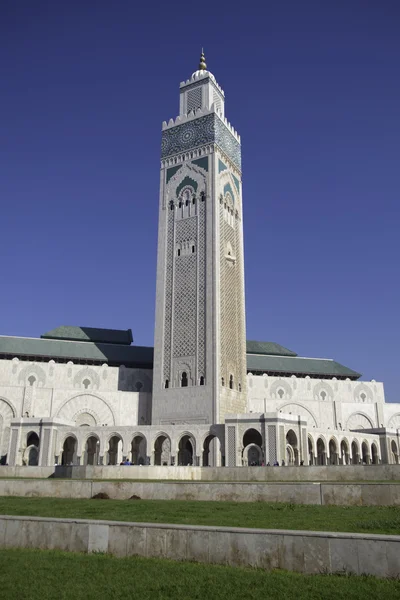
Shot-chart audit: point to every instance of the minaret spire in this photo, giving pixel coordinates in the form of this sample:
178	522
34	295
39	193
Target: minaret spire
202	65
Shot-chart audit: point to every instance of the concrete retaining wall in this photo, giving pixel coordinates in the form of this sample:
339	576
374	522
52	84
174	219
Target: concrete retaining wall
230	474
302	551
366	494
32	472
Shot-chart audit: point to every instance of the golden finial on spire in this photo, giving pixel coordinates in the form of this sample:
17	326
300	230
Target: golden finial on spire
202	65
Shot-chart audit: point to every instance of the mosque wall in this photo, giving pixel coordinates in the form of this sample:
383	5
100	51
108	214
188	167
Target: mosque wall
75	394
325	403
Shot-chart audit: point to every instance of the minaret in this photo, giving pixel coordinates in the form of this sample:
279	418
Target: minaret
200	349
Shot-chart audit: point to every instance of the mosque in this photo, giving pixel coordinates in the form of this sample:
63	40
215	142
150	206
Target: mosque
204	395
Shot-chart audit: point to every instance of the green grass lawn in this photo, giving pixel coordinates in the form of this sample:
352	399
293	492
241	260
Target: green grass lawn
45	575
362	519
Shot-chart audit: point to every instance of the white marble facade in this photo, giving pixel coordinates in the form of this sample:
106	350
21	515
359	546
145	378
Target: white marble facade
194	404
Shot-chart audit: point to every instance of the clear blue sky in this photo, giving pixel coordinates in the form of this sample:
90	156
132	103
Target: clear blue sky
312	87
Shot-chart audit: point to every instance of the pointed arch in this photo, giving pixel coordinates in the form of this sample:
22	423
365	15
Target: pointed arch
303	412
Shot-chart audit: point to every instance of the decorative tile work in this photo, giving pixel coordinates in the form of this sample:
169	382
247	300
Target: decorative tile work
236	181
186	182
221	166
228	189
171	172
202	162
271	444
198	132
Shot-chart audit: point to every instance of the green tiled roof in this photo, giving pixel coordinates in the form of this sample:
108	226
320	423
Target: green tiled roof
288	365
113	354
272	348
90	334
142	356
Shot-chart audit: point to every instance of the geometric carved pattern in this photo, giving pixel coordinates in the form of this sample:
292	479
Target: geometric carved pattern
230	311
201	339
81	403
271	444
217	101
198	132
231	446
89	374
168	295
34	370
359	421
394	422
185	293
362	392
297	409
194	98
323	391
280	389
45	447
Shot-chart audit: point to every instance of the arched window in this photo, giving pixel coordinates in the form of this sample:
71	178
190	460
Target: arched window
184	379
180	204
31	380
166	383
202	196
179	252
202	380
171	205
194	200
138	386
231	382
192	249
240	387
222	381
86	383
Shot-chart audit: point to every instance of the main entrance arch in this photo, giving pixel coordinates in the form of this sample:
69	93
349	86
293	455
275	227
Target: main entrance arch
252	453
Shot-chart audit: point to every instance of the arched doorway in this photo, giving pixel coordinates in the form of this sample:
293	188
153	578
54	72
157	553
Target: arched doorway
333	452
344	453
366	459
252	453
162	450
139	450
311	458
292	452
115	450
32	439
211	451
186	451
321	452
31	453
355	455
69	451
33	456
375	457
92	451
395	453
